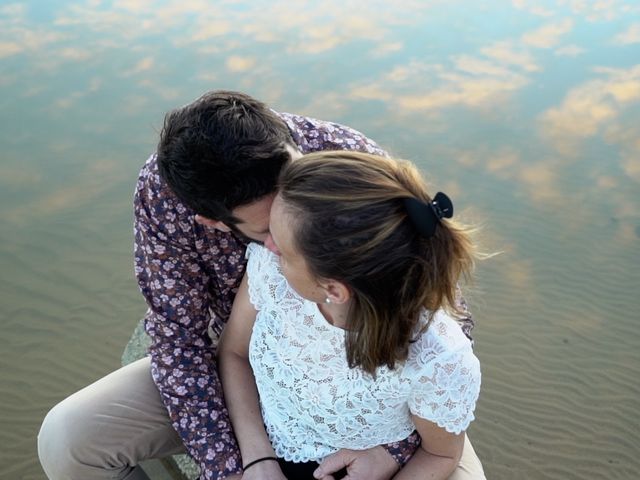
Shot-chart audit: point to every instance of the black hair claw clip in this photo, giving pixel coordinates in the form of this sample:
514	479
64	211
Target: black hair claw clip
426	216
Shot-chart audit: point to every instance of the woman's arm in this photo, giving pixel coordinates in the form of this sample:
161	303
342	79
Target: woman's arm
438	455
240	392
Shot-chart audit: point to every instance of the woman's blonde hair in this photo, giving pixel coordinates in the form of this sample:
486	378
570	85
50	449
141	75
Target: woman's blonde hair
352	226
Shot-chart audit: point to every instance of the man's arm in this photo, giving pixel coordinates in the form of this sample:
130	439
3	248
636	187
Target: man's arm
465	321
438	455
180	290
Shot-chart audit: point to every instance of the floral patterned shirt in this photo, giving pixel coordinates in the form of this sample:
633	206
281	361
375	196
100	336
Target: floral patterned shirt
189	274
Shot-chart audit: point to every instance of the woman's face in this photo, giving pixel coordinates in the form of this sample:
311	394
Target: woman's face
293	265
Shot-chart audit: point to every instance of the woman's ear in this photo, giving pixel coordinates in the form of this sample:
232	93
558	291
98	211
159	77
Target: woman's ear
337	292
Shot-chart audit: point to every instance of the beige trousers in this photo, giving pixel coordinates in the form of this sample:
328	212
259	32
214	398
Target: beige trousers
104	430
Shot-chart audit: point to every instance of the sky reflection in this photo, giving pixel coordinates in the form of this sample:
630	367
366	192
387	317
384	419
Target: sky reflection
546	91
526	112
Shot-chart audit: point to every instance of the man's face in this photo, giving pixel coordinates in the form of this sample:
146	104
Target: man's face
254	220
254	217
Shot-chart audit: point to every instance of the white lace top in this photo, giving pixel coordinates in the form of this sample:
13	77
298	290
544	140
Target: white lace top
313	404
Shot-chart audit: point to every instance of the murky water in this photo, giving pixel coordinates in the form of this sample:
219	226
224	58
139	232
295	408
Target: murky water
527	113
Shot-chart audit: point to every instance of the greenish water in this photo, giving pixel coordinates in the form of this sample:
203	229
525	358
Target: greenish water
526	113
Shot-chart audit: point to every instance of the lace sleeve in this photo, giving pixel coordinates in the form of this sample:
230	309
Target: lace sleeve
446	380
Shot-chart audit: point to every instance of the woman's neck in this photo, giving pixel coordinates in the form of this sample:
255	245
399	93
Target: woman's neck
335	313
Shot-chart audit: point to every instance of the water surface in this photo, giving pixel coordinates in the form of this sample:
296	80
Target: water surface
527	113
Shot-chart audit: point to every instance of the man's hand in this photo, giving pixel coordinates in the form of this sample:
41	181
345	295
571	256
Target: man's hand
372	464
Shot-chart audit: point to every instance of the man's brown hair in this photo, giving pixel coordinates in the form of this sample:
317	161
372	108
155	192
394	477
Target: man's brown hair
221	151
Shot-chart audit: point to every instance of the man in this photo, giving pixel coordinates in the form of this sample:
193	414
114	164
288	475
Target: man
204	194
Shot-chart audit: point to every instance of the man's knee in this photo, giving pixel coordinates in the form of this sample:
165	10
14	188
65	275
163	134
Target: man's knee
61	432
106	428
470	466
73	442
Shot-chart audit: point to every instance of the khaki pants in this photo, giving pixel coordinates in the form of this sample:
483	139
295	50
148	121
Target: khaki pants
104	430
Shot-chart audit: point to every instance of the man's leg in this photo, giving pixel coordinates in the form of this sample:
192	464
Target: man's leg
104	430
470	467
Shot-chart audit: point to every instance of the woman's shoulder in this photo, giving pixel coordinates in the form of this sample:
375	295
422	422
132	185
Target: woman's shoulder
442	330
441	342
267	286
262	261
258	252
262	274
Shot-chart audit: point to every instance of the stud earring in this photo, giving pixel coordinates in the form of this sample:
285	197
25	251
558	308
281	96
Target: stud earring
327	300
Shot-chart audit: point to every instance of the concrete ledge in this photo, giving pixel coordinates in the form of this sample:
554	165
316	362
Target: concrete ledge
177	467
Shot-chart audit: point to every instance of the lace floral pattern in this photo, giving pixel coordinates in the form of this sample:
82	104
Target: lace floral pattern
331	406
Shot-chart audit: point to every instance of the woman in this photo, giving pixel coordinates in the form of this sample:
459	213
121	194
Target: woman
346	323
